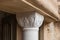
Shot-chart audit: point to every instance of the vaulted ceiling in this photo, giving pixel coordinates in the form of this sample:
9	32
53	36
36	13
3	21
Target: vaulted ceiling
48	8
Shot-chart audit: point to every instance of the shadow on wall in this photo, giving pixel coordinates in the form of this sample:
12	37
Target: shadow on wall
19	33
7	26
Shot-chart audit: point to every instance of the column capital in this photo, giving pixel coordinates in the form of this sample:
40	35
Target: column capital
30	19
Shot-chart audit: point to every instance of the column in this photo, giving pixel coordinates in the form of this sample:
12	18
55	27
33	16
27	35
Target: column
30	22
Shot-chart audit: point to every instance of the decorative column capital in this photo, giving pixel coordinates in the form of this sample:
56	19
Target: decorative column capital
30	19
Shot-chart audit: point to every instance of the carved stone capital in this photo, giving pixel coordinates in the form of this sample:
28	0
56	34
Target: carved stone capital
30	19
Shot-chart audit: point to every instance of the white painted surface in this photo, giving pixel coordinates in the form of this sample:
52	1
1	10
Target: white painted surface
30	22
30	34
30	19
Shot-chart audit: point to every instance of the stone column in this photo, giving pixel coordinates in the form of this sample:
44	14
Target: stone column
30	21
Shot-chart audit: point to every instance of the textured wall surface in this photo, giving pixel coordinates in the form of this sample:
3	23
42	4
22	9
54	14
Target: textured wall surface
52	31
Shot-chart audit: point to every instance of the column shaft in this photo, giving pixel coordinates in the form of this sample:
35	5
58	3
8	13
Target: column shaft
30	33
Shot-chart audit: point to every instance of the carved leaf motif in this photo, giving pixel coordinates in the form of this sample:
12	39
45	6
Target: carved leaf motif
33	20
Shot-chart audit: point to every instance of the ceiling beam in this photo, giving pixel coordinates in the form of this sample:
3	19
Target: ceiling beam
46	4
